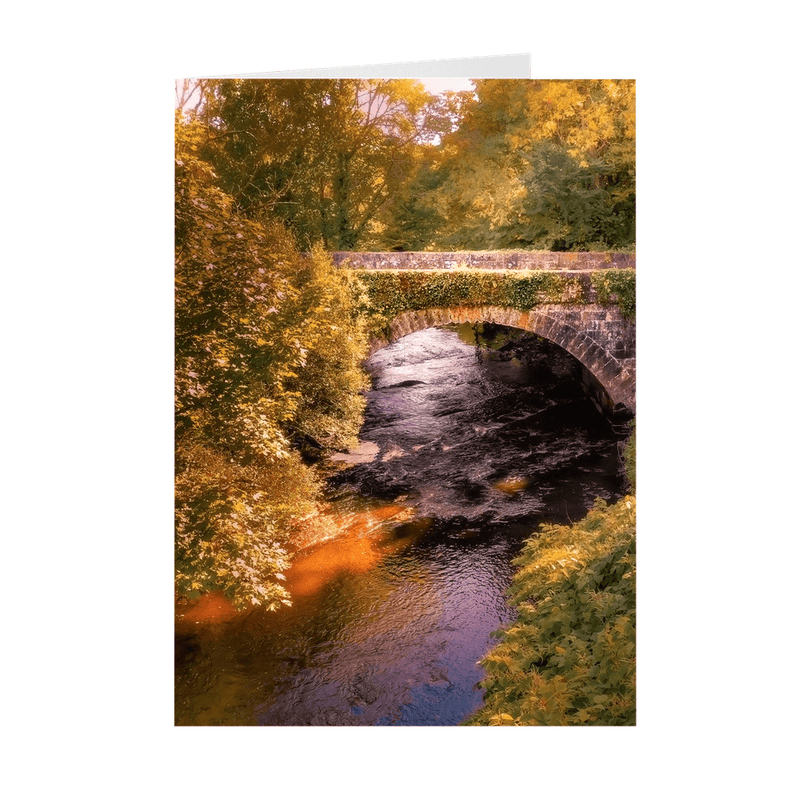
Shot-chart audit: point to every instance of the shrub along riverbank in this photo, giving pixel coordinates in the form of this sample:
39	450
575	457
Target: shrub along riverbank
268	347
570	656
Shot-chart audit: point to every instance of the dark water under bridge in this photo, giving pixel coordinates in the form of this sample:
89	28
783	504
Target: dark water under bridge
581	307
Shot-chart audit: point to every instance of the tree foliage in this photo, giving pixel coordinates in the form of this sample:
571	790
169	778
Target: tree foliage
267	348
544	165
323	155
629	457
380	164
390	293
569	658
268	341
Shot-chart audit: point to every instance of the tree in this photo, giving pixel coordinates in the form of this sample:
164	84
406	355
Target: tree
569	657
323	155
540	165
267	342
408	221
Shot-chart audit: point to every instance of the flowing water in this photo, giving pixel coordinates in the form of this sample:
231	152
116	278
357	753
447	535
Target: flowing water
465	451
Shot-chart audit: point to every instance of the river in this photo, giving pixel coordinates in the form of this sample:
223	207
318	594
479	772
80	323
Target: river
465	451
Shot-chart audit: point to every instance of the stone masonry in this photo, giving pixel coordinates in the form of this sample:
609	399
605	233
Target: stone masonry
499	259
597	335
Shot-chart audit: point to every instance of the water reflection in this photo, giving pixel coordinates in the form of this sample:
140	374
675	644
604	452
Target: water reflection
389	619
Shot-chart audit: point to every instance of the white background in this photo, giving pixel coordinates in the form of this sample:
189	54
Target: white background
88	391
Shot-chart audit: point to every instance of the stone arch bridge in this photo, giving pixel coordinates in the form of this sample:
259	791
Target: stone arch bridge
583	302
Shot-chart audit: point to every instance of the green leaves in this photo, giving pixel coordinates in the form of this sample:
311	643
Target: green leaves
629	457
360	164
569	659
542	165
392	292
267	346
619	286
322	155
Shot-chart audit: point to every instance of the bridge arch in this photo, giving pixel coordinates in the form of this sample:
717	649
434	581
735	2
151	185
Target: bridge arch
610	364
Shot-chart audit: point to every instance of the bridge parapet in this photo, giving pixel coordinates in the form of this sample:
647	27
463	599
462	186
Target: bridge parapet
489	259
583	302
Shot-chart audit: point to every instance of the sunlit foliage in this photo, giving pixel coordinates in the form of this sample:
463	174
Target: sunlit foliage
543	165
325	155
616	285
392	292
629	457
569	658
389	293
362	164
268	341
268	344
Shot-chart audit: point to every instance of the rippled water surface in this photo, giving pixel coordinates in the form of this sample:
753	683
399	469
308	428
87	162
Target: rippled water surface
467	451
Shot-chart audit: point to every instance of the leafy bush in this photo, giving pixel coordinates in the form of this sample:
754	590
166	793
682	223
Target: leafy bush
541	164
569	658
629	457
268	346
233	523
617	285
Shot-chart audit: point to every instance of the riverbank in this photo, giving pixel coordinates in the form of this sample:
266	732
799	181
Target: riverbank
390	616
569	657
